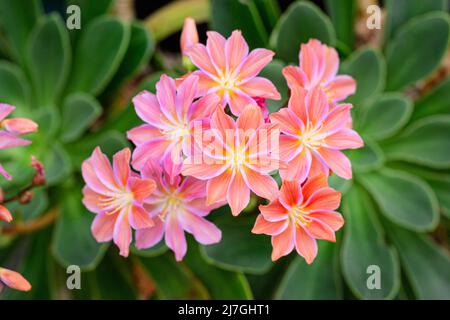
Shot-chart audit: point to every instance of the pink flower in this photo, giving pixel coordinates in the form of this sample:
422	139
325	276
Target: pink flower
13	280
5	215
299	216
115	194
319	65
170	116
239	158
228	69
313	134
11	129
177	205
189	35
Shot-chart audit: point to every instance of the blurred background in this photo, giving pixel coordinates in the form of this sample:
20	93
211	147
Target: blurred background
78	85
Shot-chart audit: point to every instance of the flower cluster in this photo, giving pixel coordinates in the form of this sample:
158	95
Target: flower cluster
10	131
208	140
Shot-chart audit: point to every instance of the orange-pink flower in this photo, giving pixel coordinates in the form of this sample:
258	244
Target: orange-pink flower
177	205
236	157
229	70
170	117
302	214
319	65
11	129
313	133
189	35
13	280
115	194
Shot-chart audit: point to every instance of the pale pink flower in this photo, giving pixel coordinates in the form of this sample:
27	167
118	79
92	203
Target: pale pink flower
313	134
170	116
177	205
243	157
10	129
189	35
115	194
228	69
319	65
13	280
302	214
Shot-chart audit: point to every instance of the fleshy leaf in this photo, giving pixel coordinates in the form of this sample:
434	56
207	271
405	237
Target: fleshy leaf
403	198
342	14
302	21
367	158
435	102
273	72
364	247
15	88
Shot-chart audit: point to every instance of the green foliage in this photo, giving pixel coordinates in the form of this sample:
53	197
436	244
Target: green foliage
71	83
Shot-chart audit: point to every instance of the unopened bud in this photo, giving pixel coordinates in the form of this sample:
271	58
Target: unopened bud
39	176
25	197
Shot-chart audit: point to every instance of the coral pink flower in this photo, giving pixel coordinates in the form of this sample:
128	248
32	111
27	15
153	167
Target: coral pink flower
177	205
115	194
5	215
228	69
13	280
313	135
189	35
11	129
243	155
299	216
170	116
319	65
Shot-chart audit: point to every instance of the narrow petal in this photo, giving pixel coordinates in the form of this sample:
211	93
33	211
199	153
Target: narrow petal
289	147
175	238
20	125
215	45
295	77
260	87
103	227
287	121
337	161
189	35
193	188
121	166
320	230
146	238
344	139
9	140
298	168
290	194
147	108
314	183
203	231
323	199
122	233
238	100
331	218
341	87
153	149
140	218
141	188
317	105
250	118
206	84
255	62
236	50
238	194
200	58
297	104
5	110
262	185
202	170
5	173
14	280
337	118
92	200
222	122
186	93
274	211
5	215
216	188
283	243
204	107
305	245
91	179
103	168
143	133
262	226
166	95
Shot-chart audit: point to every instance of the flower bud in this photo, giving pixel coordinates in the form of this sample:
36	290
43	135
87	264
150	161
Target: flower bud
5	215
189	35
20	125
14	280
39	176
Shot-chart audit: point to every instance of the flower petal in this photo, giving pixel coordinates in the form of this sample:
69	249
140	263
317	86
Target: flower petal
250	118
215	45
274	211
255	62
14	280
298	168
121	166
344	139
268	227
262	185
236	50
20	125
175	238
260	87
341	87
103	227
140	218
290	194
331	218
146	238
337	161
5	110
305	245
295	77
5	215
143	133
201	59
216	188
320	230
238	194
323	199
203	231
122	233
141	188
283	243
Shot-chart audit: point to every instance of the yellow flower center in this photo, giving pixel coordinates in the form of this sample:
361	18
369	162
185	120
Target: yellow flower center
299	216
117	202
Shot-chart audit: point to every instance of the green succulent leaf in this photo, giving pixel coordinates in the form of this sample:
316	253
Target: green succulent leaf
367	158
269	11
424	142
157	250
427	266
400	12
403	198
239	249
57	164
98	55
339	184
17	19
425	36
342	14
79	112
301	22
32	209
14	88
49	58
364	246
320	280
139	50
221	284
386	116
182	283
435	102
368	68
273	72
73	243
227	16
90	9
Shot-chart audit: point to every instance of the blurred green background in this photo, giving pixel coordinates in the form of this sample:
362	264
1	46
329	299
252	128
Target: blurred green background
78	84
